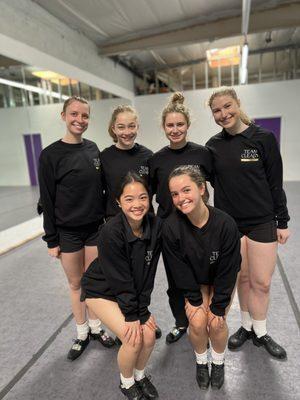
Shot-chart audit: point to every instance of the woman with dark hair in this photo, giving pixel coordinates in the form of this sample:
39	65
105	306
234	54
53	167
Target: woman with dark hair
248	186
203	250
72	201
117	286
175	122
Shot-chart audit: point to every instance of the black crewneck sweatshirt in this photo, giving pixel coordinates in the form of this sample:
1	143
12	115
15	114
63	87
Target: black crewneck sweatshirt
71	189
203	256
247	177
165	160
126	267
116	163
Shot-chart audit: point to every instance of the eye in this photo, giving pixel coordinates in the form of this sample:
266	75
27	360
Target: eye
85	116
174	194
187	190
144	197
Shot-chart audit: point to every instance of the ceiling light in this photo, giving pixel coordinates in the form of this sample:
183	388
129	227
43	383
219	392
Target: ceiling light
223	57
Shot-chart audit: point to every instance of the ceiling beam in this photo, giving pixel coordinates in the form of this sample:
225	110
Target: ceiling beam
282	16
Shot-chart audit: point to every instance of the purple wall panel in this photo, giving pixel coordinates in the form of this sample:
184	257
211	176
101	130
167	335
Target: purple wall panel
272	124
30	160
37	147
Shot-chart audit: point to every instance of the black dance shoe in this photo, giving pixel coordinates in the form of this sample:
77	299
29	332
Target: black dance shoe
103	338
202	376
158	333
270	345
175	334
118	341
78	348
147	388
217	376
133	393
236	340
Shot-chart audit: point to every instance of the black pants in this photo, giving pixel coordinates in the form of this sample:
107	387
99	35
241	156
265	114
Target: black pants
176	298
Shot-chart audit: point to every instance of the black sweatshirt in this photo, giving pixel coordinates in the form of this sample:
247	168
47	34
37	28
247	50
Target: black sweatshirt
116	163
203	256
247	179
162	164
126	266
70	187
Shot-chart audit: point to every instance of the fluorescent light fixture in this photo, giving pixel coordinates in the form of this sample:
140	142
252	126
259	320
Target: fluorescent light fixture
34	89
223	57
244	64
245	16
54	78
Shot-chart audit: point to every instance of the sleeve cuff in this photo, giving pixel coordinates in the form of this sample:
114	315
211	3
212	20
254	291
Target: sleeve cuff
282	225
131	317
220	312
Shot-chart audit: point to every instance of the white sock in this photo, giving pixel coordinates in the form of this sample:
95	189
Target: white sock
95	325
260	327
126	382
246	320
82	330
139	374
201	358
217	358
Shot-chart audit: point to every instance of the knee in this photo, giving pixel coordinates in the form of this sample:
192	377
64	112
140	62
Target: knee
261	286
148	338
198	323
74	285
216	329
134	350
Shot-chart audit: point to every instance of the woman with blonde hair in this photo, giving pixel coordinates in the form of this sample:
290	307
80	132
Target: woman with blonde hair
247	170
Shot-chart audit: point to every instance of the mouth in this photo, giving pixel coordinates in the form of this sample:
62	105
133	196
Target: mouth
138	212
185	204
128	138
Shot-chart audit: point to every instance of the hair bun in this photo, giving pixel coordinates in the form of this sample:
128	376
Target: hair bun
177	97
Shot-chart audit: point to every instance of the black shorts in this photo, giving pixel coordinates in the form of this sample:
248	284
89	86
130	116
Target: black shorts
74	239
264	233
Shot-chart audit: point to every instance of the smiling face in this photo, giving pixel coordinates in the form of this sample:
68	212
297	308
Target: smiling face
176	128
134	202
125	128
226	112
186	195
76	117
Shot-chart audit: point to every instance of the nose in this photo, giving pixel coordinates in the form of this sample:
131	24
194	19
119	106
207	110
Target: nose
181	196
223	113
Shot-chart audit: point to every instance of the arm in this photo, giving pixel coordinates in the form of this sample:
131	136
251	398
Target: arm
273	168
116	268
180	270
47	197
227	269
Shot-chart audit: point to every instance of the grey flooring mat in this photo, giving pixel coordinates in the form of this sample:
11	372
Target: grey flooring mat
18	204
36	304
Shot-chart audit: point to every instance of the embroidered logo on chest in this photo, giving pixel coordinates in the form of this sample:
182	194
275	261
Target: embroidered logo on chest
249	155
143	170
148	257
97	163
214	256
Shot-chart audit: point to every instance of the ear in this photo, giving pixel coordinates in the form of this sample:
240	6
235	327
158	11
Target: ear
202	189
63	116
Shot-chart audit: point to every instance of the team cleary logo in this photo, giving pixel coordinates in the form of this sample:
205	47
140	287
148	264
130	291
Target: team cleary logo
143	170
148	257
249	155
97	163
214	256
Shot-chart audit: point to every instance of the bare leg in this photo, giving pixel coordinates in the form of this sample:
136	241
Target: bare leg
73	266
110	314
262	261
147	348
90	253
243	279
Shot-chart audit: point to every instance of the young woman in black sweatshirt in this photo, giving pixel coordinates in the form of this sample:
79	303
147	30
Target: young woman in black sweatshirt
248	185
202	245
123	156
117	286
175	121
71	194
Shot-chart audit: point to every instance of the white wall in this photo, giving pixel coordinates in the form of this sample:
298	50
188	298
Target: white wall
44	120
261	100
277	99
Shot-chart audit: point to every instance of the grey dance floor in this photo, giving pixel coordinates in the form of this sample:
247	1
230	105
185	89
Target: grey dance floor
36	331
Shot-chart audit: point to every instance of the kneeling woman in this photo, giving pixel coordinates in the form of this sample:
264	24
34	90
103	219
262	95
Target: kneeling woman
117	286
202	244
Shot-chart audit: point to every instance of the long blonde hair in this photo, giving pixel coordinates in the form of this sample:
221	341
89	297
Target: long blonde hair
229	91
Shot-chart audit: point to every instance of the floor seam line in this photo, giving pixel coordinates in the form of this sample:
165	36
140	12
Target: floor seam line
34	359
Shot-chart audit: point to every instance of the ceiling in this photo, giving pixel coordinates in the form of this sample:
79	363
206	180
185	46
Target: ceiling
171	36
